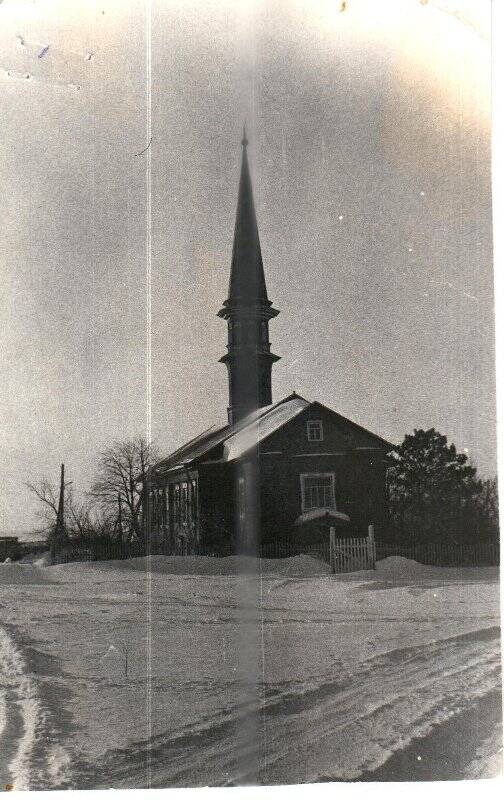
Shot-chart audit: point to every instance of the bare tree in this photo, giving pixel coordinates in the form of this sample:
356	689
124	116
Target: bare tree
79	521
47	495
122	472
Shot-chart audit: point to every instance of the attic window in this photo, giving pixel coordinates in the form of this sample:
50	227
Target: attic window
314	430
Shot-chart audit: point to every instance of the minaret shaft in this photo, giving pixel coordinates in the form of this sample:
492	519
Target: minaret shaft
248	311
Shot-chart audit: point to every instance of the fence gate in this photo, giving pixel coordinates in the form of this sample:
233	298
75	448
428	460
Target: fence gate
352	555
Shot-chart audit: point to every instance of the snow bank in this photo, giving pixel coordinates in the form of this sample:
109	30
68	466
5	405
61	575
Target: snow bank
399	567
299	566
15	574
399	570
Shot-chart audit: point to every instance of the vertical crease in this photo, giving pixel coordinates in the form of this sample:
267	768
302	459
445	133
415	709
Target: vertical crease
148	62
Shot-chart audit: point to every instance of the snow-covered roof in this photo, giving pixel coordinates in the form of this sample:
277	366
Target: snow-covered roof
264	425
321	514
252	428
194	448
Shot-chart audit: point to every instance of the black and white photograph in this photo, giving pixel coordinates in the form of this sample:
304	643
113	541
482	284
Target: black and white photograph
249	518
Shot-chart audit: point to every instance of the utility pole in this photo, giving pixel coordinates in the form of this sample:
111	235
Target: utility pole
59	534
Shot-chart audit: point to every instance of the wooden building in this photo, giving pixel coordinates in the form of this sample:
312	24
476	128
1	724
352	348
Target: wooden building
281	470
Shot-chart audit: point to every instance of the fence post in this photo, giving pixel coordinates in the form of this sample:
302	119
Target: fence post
332	549
371	546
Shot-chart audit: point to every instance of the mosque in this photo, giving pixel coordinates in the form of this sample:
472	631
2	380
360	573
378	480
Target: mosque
277	471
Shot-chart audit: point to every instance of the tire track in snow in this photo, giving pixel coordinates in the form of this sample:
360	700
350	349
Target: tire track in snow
3	736
34	759
337	727
388	701
466	746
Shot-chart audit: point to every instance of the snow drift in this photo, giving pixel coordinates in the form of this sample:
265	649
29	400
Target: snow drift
297	566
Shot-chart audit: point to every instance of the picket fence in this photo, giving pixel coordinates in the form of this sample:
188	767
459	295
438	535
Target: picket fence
345	555
445	554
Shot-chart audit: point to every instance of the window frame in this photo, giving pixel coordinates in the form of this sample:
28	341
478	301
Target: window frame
184	503
318	422
176	503
302	479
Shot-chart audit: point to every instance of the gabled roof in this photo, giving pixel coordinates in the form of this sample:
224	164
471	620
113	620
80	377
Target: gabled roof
213	437
240	437
194	448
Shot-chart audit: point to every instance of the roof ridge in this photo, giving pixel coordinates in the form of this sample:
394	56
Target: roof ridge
299	396
267	410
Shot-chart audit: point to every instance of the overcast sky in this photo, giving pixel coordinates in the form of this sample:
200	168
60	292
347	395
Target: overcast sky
369	146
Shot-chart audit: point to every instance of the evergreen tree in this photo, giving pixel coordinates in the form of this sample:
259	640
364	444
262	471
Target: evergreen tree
435	494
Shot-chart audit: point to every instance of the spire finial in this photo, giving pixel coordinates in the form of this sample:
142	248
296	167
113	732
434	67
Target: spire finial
244	141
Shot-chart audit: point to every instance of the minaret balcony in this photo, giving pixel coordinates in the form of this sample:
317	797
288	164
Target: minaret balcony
258	309
235	352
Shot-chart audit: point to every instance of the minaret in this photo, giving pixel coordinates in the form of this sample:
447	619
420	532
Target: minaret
247	311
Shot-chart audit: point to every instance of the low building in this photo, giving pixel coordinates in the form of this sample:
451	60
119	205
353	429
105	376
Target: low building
9	547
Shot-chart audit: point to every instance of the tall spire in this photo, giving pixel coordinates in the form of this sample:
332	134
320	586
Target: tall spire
247	283
247	310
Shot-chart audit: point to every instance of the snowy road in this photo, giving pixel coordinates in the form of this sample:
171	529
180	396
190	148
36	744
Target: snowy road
334	730
312	678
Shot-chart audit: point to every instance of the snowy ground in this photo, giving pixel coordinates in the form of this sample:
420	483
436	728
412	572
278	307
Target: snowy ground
292	676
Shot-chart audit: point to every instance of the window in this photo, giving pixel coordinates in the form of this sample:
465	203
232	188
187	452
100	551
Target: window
165	507
314	430
317	491
176	503
158	509
183	503
152	508
194	496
